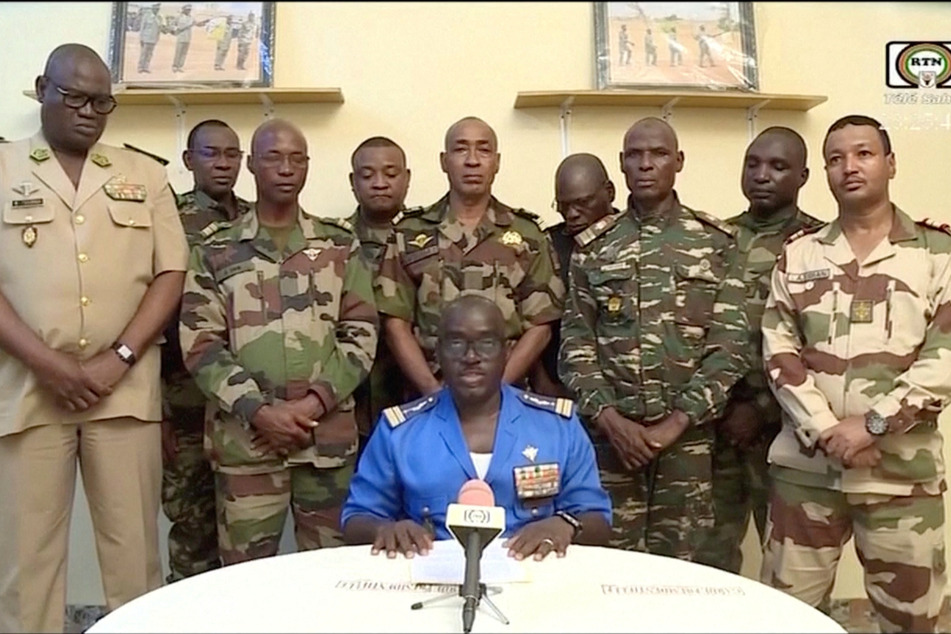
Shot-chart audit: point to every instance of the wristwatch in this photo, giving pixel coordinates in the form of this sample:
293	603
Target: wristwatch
875	423
571	519
124	352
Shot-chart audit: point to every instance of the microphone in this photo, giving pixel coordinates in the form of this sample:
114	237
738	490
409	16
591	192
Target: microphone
474	521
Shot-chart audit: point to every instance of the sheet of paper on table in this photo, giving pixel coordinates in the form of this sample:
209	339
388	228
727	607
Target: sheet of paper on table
446	563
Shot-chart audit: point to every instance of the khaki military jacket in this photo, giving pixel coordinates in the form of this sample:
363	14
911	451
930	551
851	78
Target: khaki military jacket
75	264
842	338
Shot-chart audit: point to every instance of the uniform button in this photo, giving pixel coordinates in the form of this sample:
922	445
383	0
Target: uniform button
534	512
80	219
83	343
82	257
28	218
131	222
425	509
84	301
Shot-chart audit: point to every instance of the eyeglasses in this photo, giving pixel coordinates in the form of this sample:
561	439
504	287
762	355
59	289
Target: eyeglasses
484	348
276	159
78	100
213	153
579	203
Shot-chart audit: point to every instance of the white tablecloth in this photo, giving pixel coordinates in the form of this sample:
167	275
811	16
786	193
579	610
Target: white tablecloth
348	590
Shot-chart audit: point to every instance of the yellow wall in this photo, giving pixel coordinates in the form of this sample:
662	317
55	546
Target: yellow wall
408	70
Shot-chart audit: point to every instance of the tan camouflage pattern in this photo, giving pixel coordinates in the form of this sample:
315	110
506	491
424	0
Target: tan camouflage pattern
840	339
430	260
655	318
655	322
741	476
188	500
899	540
384	387
260	326
252	509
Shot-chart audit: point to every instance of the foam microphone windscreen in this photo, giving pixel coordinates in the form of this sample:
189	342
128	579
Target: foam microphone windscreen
476	493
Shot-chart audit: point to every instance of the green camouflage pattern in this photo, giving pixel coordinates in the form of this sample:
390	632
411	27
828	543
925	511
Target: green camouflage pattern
188	499
253	509
656	322
841	339
655	318
430	260
260	326
665	507
188	496
741	477
384	387
183	403
899	540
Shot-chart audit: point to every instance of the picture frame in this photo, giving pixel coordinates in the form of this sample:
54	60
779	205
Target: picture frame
684	45
192	45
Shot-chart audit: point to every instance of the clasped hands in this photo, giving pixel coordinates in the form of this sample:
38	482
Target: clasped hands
536	539
283	428
636	444
850	442
78	385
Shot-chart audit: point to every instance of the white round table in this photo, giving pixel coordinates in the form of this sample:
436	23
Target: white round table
348	590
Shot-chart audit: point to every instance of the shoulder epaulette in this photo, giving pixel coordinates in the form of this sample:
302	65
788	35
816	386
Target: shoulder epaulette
803	232
399	414
406	213
585	238
212	228
343	223
715	222
934	224
564	407
532	216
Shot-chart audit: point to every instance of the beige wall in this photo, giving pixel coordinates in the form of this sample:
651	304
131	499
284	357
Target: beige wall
408	70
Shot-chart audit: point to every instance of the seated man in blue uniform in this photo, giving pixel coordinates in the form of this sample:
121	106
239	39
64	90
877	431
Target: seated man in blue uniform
530	449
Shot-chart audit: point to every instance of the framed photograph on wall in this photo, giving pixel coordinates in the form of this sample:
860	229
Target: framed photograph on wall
191	45
700	45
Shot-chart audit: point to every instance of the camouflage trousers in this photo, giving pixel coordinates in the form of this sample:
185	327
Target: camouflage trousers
252	509
662	507
898	540
740	489
188	499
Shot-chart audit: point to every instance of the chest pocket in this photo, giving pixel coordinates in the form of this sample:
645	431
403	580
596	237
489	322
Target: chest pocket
27	215
246	307
419	261
696	291
614	292
132	215
757	277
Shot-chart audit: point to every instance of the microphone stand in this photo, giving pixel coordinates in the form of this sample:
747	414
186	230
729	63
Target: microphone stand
484	592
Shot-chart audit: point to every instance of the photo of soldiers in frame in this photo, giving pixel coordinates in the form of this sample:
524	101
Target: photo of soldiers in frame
690	45
192	44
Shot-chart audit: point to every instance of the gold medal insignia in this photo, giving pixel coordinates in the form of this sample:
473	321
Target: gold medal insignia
614	304
40	154
311	253
861	311
511	238
29	236
419	240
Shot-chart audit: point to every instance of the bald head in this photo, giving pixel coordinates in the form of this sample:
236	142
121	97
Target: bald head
583	192
788	136
582	166
65	57
274	127
654	126
774	170
472	307
465	122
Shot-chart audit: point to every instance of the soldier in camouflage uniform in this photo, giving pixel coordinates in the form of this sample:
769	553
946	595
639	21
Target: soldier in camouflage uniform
278	327
583	195
774	170
467	242
213	156
857	347
653	338
380	180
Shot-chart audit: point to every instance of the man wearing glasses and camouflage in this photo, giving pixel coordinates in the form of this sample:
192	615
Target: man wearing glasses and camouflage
213	156
92	260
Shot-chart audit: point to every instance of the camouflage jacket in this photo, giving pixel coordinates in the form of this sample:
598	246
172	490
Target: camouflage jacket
429	262
842	338
655	319
259	327
182	402
759	241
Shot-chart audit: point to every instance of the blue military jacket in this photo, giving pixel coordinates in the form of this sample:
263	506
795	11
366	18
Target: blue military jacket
417	460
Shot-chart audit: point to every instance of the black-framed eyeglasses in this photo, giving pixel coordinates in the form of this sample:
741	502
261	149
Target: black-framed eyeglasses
78	100
276	159
485	348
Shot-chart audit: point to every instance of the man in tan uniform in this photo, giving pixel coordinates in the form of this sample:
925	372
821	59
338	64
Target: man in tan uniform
92	261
